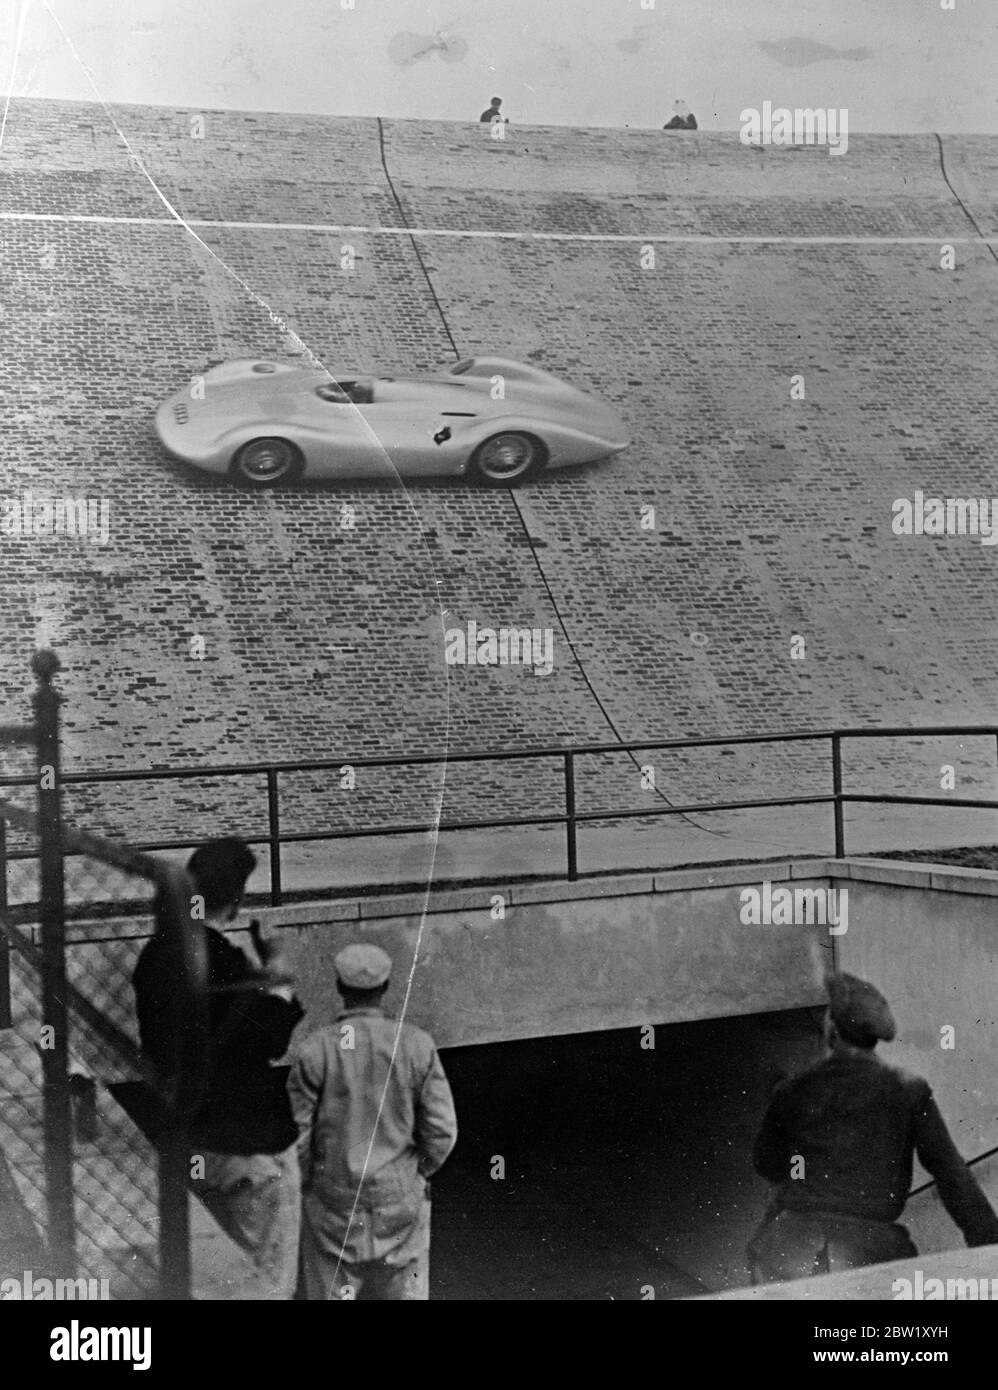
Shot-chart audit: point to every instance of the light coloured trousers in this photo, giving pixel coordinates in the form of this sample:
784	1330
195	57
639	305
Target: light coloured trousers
325	1276
256	1199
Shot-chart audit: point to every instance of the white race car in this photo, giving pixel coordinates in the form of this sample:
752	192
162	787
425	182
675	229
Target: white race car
264	423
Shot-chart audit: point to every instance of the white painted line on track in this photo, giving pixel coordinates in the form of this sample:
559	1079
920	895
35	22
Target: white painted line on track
100	219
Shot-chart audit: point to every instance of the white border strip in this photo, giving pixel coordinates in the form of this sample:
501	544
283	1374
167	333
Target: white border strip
355	228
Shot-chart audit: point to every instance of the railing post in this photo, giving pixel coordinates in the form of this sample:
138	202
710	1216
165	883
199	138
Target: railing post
184	1016
5	1015
174	1214
572	846
58	1130
274	824
840	829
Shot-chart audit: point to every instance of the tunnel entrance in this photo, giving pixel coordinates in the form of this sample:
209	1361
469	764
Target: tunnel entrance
594	1167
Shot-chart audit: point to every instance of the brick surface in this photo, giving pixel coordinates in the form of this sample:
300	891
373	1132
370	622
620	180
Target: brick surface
773	516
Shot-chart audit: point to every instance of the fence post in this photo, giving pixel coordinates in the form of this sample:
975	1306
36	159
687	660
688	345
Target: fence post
573	849
274	823
186	1017
58	1130
6	1020
174	1214
840	829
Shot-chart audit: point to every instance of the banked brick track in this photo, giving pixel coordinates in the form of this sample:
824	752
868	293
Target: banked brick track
773	516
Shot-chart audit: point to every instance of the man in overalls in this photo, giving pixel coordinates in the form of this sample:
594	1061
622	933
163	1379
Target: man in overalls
376	1119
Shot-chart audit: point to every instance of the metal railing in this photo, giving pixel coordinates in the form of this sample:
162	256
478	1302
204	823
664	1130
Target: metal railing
570	817
43	736
49	997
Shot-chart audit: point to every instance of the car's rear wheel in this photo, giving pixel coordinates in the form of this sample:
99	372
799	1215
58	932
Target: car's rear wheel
267	462
506	460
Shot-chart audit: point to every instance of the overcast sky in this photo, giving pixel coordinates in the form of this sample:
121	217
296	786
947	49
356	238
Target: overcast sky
896	65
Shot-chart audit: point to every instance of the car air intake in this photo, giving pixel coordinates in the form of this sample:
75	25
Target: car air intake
180	414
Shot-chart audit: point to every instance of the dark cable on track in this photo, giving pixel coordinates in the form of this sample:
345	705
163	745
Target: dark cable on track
608	718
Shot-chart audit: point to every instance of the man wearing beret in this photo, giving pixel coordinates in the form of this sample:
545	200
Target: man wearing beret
837	1143
376	1119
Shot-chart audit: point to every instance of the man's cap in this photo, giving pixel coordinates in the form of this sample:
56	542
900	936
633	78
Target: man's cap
362	966
496	101
859	1010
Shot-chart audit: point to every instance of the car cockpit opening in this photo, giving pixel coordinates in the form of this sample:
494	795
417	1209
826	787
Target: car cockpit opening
346	392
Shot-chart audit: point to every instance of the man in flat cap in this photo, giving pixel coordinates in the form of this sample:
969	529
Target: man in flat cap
376	1119
837	1143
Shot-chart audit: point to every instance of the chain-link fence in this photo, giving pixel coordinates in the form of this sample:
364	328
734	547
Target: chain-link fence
93	1164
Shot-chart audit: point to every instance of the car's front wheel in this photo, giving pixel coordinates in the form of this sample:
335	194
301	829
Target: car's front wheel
267	462
506	460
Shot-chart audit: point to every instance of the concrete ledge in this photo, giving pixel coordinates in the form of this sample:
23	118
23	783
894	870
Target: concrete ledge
272	918
444	900
957	880
816	868
306	914
476	898
885	871
610	886
681	880
943	878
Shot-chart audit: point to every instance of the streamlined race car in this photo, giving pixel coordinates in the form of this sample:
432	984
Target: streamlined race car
265	423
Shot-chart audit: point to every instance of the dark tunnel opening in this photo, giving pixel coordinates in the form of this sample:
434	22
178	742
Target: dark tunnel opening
596	1166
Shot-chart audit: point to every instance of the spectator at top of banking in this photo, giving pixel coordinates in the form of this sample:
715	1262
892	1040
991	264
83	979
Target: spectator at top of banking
493	113
683	119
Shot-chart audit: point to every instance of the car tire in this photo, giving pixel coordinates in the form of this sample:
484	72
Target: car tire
267	462
508	459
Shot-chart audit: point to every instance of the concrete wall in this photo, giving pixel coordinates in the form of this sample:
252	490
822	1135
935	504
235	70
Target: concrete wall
609	952
618	952
600	954
670	948
578	958
929	939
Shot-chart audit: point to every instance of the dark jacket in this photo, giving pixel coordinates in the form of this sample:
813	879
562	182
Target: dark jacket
857	1123
245	1108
